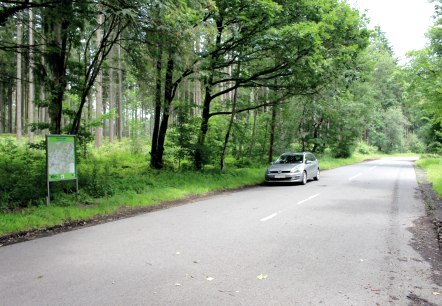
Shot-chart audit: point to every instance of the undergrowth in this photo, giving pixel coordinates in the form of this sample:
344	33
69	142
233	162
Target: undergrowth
433	167
111	178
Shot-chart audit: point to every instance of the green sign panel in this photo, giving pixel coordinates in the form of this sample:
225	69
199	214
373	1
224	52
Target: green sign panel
61	161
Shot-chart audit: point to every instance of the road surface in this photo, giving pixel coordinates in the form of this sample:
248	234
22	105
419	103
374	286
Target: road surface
344	240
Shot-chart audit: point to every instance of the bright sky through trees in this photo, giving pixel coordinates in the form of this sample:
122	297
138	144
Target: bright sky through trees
405	22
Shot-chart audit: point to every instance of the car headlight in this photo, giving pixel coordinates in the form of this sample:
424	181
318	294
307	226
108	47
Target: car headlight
295	170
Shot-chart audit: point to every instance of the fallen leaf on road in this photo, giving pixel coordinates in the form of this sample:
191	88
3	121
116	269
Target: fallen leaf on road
177	285
210	278
261	276
436	293
177	253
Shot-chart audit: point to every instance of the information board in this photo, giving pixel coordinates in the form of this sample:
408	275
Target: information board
61	159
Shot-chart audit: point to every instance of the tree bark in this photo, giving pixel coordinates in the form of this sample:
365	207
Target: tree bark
234	99
31	94
229	128
272	131
157	112
18	87
2	109
99	90
111	98
168	97
120	96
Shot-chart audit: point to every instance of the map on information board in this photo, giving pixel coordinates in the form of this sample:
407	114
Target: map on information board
61	158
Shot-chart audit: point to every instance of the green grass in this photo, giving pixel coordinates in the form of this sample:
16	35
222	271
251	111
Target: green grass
433	168
163	186
328	162
128	182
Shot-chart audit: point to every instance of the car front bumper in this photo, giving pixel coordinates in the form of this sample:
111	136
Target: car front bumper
284	177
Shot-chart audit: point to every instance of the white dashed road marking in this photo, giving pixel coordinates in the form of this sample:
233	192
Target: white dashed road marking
281	211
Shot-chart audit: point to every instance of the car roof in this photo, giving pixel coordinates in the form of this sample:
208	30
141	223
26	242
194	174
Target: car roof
295	153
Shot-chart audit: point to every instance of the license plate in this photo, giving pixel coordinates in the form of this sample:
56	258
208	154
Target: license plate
279	176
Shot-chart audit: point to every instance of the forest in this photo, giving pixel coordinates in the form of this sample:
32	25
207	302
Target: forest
151	87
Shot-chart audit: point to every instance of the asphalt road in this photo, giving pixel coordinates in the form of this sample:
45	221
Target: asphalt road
344	240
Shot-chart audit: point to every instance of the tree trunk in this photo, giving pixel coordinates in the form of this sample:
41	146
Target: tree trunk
99	90
168	97
31	94
120	96
18	87
111	98
157	112
2	109
229	128
205	115
9	99
56	31
252	138
272	131
234	99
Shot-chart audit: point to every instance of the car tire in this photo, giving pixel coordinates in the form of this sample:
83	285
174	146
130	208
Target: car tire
304	178
316	178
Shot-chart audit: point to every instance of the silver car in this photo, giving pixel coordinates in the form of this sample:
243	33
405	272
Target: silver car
293	167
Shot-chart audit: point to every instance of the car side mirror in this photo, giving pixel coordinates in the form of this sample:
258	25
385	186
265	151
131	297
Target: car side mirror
308	162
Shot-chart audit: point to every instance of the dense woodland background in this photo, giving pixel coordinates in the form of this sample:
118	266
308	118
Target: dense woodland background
193	83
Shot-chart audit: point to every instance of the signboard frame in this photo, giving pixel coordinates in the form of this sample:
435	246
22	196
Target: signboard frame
67	164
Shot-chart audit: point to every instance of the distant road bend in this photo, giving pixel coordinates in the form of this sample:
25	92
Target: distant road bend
344	240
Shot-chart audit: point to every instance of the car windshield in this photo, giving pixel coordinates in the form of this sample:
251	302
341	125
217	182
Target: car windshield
289	159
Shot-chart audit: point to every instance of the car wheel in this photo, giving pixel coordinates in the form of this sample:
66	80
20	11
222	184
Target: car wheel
316	178
304	178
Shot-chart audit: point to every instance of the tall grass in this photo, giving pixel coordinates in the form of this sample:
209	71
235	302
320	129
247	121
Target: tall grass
143	187
433	168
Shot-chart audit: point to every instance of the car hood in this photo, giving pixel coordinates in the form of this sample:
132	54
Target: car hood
284	167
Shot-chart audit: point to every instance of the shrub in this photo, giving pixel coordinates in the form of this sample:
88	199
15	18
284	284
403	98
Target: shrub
22	175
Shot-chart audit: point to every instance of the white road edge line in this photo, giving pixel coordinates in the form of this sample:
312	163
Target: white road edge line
354	176
268	217
309	198
373	167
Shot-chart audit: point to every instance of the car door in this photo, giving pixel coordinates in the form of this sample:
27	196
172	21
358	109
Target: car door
310	166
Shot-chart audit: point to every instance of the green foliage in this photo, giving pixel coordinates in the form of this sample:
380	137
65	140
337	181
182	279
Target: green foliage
22	175
133	183
365	149
182	136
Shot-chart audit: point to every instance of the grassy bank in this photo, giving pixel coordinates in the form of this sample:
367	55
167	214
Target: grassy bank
433	168
148	189
124	181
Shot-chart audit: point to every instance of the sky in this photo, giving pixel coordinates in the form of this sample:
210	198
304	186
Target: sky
404	22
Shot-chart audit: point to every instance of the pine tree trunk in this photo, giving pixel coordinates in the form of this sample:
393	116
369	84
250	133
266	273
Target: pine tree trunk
120	96
272	132
10	94
18	88
99	91
2	109
111	98
31	94
168	97
157	112
234	99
